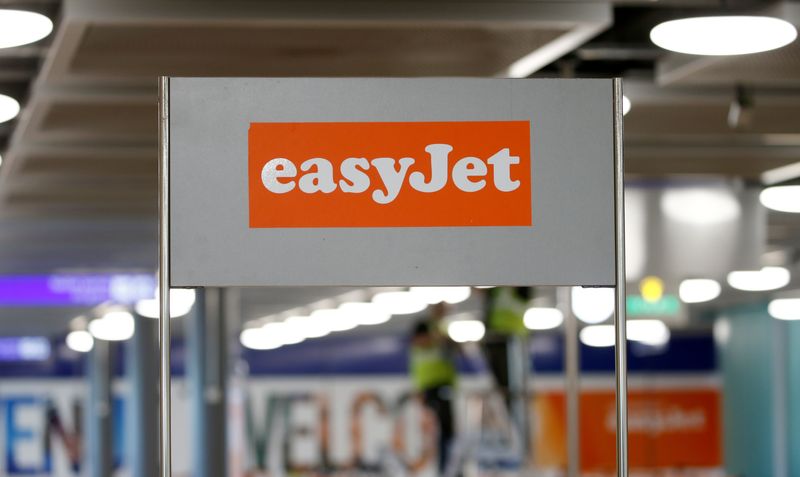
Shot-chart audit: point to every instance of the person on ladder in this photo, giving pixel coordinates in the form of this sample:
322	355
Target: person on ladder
506	349
433	372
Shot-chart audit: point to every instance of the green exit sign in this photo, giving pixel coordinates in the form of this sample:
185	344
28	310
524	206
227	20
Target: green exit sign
668	305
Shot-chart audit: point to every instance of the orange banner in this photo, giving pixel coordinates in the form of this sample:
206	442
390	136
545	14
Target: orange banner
390	174
667	429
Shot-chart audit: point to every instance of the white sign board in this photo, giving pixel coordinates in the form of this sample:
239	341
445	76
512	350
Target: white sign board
391	182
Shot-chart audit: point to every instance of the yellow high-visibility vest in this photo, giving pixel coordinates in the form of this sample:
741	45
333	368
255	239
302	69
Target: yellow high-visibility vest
507	313
431	367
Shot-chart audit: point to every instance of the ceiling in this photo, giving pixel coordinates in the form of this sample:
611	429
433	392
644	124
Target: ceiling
78	182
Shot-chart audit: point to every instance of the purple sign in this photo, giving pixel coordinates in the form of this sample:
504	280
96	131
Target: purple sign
75	289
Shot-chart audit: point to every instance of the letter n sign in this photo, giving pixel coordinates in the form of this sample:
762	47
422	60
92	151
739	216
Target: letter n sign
391	182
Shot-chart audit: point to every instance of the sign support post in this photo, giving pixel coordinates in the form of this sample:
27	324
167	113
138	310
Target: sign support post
165	411
620	350
572	383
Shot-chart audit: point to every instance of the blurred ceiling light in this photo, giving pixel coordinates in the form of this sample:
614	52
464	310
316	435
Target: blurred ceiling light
113	326
781	198
651	288
9	107
485	286
543	318
723	35
626	105
598	336
259	339
649	332
434	295
700	206
781	174
785	308
365	313
80	341
592	305
465	331
768	278
635	233
334	320
1	160
285	333
19	27
699	290
181	301
310	327
399	302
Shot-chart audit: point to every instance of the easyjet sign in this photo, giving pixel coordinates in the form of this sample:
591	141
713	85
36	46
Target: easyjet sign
390	174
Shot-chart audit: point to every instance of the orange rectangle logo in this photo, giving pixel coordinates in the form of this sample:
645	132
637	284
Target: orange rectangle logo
390	174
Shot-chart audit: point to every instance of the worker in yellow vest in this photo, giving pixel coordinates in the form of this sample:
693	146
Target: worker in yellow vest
432	364
504	314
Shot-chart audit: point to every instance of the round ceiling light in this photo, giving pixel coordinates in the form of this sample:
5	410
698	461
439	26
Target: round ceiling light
592	305
543	318
781	198
113	326
9	108
598	336
181	301
768	278
400	302
699	290
18	27
465	331
626	105
785	308
80	341
700	206
723	35
649	332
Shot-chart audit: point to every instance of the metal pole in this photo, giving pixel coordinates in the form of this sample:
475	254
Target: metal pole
206	366
99	417
142	369
164	278
572	367
621	358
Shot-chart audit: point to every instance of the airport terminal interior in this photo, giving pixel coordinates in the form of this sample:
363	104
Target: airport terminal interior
444	361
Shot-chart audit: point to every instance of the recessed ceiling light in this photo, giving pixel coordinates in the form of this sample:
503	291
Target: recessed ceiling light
626	105
781	198
650	332
699	290
9	108
598	336
399	302
701	206
181	301
113	326
723	35
768	278
592	305
434	295
543	318
466	331
785	308
18	27
80	341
